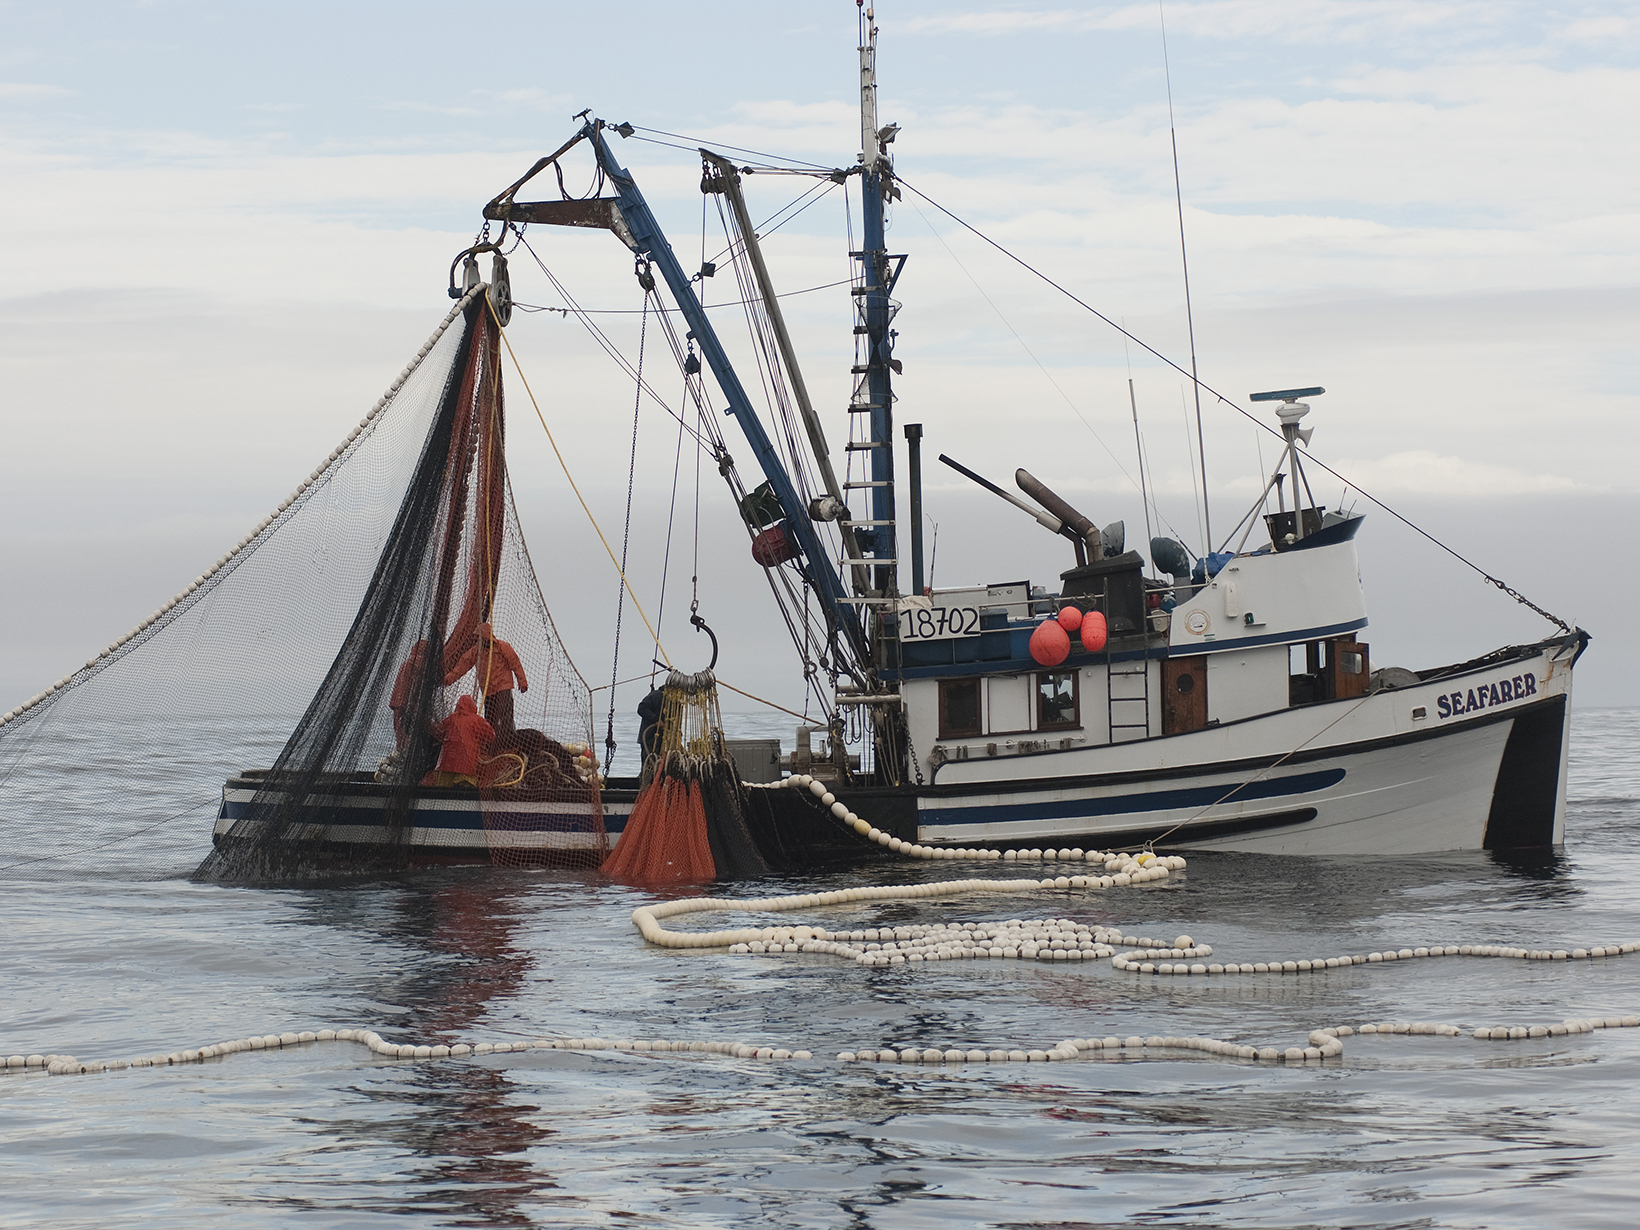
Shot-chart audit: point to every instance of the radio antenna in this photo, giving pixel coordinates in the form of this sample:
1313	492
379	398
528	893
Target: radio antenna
1184	260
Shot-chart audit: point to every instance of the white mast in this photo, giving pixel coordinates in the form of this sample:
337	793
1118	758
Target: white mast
869	154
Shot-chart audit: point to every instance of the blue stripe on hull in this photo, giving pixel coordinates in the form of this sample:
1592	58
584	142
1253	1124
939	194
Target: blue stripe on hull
1124	804
453	818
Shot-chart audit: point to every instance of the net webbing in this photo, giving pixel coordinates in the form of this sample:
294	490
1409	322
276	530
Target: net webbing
407	536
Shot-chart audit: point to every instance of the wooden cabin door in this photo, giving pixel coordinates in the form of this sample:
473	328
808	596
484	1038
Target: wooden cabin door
1348	668
1184	694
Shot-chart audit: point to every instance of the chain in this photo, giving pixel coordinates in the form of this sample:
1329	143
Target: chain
916	761
1528	603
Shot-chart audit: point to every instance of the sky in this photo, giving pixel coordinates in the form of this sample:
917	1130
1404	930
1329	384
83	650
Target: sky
225	228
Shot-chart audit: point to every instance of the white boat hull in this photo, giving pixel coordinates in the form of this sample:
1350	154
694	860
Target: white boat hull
1394	773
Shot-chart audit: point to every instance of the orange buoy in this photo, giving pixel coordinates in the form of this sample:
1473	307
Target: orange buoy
1050	643
1070	618
1094	632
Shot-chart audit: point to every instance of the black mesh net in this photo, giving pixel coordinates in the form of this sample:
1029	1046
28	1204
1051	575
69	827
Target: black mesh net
393	597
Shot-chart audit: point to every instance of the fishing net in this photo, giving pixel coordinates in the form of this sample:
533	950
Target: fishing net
334	645
689	822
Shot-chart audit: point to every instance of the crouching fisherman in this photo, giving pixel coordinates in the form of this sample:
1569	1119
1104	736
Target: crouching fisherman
462	736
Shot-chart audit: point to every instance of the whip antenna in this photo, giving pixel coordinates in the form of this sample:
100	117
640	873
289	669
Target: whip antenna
1184	261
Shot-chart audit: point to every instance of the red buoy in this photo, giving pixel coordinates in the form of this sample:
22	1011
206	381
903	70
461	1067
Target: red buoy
1094	632
1070	618
1050	644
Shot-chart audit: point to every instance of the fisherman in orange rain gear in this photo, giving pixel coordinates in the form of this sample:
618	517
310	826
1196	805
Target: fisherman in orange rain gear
498	665
463	736
401	690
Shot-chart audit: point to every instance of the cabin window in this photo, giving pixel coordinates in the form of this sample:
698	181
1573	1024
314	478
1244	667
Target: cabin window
1058	700
959	708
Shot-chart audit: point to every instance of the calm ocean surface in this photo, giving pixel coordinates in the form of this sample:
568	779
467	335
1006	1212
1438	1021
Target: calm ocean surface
1403	1131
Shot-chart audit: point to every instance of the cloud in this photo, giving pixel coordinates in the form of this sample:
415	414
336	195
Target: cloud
484	103
27	89
1431	475
1290	21
1597	31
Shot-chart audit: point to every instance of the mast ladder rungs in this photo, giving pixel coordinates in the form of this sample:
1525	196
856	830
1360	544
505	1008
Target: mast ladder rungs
861	409
876	482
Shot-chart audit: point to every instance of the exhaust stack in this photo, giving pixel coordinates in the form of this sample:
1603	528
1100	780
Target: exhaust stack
1081	531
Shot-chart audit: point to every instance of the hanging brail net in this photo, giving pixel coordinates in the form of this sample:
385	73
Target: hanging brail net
373	672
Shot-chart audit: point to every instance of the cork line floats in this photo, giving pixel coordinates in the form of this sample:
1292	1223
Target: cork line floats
1045	939
1325	1043
1121	869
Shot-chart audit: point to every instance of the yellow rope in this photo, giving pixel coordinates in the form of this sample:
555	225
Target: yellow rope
800	716
604	687
562	465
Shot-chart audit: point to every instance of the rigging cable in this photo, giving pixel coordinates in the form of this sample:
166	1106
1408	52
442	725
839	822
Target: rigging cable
647	281
738	149
661	307
671	517
763	230
597	529
603	339
1025	346
1142	344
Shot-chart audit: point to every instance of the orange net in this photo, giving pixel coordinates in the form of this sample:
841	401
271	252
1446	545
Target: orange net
665	839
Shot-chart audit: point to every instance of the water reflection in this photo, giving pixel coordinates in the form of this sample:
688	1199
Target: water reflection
1544	863
468	1128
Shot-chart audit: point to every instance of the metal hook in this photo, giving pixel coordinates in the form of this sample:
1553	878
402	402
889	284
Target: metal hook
700	626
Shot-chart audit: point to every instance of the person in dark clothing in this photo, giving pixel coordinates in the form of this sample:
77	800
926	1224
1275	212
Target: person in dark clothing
649	724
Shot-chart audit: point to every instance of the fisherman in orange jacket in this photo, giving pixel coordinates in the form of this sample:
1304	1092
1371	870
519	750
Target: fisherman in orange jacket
498	666
463	736
401	689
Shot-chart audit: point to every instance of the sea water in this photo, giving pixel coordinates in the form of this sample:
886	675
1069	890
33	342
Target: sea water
1400	1131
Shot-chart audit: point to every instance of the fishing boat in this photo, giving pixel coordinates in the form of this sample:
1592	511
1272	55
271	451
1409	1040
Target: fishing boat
1221	701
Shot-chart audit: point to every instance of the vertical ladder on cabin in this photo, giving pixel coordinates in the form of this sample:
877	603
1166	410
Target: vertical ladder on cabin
1127	698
